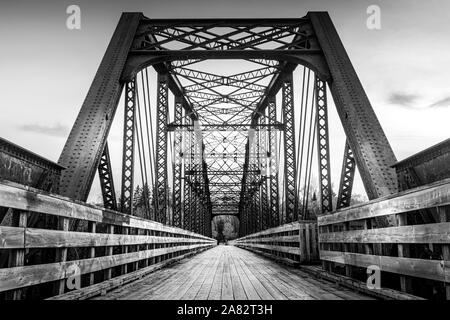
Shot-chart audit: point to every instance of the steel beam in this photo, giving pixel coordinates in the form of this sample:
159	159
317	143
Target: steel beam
106	180
347	177
83	149
372	151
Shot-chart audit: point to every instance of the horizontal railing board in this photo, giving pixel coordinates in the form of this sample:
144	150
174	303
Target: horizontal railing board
11	237
18	277
426	233
430	269
19	238
274	239
272	256
415	199
20	197
291	250
293	226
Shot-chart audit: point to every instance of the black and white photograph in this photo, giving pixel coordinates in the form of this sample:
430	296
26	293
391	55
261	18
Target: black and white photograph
224	159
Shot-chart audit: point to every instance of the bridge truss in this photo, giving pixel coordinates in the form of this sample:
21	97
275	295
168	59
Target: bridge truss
207	140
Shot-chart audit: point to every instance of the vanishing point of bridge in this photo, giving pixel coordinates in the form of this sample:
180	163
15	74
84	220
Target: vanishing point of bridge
224	117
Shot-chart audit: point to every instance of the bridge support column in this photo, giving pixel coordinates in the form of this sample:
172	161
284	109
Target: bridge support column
129	126
262	157
323	148
187	156
289	150
273	164
178	112
161	148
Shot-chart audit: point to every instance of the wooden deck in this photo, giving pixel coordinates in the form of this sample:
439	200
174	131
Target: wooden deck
230	273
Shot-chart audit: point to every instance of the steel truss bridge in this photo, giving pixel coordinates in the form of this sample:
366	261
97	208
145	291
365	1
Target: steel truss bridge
221	117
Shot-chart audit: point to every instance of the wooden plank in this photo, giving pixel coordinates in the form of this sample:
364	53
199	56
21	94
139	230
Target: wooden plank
411	200
272	239
209	276
227	287
44	238
238	288
250	292
269	281
429	269
209	259
216	287
178	283
12	237
291	250
17	277
259	287
426	233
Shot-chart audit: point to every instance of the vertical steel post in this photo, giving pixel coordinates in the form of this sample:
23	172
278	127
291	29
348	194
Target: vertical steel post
129	127
323	148
161	152
273	164
289	150
178	112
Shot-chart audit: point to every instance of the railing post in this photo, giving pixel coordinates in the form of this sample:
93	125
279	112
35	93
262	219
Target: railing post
17	256
92	229
442	211
403	252
124	268
61	254
109	252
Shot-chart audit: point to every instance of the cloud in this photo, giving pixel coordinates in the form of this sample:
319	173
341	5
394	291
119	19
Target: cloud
57	130
441	103
403	99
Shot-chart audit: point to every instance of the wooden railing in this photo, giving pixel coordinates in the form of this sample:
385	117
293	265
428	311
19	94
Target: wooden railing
413	257
292	243
114	249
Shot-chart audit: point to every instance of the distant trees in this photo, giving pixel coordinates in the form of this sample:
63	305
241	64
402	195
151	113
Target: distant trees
143	202
225	227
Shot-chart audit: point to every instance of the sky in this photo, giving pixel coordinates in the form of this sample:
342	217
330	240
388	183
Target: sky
46	69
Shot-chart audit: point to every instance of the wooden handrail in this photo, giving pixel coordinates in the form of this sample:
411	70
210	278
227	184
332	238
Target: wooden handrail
143	245
350	237
292	243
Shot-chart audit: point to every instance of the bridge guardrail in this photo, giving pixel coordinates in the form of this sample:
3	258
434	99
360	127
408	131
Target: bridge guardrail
116	246
292	243
417	254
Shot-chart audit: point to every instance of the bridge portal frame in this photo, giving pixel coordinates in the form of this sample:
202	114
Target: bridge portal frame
318	47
